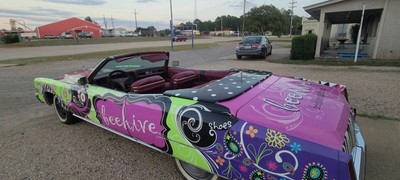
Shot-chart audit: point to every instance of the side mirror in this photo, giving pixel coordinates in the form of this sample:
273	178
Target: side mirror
175	63
82	81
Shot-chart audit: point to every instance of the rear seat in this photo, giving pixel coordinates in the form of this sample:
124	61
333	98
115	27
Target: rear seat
151	84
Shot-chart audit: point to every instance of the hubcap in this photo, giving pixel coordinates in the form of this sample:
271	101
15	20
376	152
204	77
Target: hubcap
195	172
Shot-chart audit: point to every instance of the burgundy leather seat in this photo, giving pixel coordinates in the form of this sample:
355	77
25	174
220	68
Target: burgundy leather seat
152	84
183	79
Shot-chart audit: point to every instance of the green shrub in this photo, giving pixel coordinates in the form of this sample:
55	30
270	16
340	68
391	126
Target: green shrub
10	38
303	47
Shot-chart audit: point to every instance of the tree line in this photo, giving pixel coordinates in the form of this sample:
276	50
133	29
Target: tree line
259	20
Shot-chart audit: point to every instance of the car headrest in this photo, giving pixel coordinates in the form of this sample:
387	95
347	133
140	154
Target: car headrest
147	84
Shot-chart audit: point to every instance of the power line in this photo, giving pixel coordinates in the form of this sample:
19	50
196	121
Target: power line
291	16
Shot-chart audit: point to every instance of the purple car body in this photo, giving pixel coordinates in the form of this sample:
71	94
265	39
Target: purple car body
236	124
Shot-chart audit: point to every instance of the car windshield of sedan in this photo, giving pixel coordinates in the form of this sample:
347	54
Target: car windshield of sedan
251	39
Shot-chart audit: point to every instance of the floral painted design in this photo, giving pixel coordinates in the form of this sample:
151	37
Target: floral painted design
315	171
295	147
251	131
272	166
243	168
220	161
276	139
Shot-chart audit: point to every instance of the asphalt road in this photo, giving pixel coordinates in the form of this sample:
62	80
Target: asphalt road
43	51
34	145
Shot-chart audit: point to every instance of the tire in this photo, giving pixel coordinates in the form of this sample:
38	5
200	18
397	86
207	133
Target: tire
264	55
191	172
238	57
63	114
270	52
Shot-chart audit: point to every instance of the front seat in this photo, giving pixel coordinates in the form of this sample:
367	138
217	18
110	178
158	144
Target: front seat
151	84
183	79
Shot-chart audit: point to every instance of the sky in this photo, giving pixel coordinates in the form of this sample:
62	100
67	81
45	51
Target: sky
149	12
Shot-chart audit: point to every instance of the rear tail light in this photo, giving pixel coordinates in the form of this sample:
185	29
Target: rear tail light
258	46
239	46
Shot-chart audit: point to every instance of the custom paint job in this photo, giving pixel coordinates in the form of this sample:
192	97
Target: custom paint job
280	128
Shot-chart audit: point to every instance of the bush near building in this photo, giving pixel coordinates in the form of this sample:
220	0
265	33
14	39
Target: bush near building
10	38
303	47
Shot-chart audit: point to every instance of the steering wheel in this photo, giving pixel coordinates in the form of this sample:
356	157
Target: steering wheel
119	79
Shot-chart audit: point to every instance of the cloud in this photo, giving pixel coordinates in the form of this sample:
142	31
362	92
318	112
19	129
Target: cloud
239	4
79	2
36	11
146	1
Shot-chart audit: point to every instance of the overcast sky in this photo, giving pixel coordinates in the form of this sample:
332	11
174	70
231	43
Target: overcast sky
150	12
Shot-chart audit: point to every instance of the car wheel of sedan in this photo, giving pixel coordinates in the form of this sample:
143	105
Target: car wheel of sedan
191	172
239	57
63	114
270	52
264	54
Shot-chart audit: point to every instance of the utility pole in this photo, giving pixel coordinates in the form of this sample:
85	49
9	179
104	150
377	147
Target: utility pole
135	18
112	22
244	15
222	28
291	16
104	21
171	26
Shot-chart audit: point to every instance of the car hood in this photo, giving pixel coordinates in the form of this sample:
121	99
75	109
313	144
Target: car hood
72	77
304	109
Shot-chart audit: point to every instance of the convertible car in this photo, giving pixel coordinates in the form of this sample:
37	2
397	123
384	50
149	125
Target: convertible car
233	124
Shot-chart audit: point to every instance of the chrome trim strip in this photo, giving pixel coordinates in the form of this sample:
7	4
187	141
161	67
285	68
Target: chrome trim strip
116	132
359	153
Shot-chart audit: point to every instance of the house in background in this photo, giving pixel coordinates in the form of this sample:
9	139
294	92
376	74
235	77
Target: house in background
380	27
72	24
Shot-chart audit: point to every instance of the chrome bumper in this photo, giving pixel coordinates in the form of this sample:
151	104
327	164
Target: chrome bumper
359	152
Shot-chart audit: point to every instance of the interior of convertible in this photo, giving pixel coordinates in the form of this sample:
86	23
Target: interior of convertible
149	73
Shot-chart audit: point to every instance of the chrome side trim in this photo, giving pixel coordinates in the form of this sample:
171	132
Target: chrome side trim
359	153
118	133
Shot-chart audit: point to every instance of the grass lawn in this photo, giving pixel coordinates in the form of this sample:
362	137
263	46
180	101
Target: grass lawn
63	42
103	54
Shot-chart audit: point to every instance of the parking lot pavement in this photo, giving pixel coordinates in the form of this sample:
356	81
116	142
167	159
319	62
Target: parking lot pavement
30	52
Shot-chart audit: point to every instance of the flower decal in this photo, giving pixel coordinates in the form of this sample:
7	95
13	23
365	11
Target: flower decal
220	161
243	168
272	166
251	131
276	139
295	147
315	171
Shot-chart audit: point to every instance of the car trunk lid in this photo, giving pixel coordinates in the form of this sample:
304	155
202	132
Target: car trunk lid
304	109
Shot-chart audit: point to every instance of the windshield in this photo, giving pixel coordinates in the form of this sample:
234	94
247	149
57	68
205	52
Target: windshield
251	39
131	63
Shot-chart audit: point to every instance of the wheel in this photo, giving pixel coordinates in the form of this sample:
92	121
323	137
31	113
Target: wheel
191	172
264	54
270	52
63	114
239	57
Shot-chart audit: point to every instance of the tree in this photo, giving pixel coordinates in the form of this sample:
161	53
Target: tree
88	19
265	18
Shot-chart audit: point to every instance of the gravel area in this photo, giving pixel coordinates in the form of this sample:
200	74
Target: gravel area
34	145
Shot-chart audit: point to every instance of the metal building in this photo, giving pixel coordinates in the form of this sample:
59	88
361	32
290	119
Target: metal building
72	25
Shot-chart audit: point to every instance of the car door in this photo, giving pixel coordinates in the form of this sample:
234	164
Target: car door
108	108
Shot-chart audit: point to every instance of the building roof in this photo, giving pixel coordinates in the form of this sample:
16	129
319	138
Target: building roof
72	19
321	4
